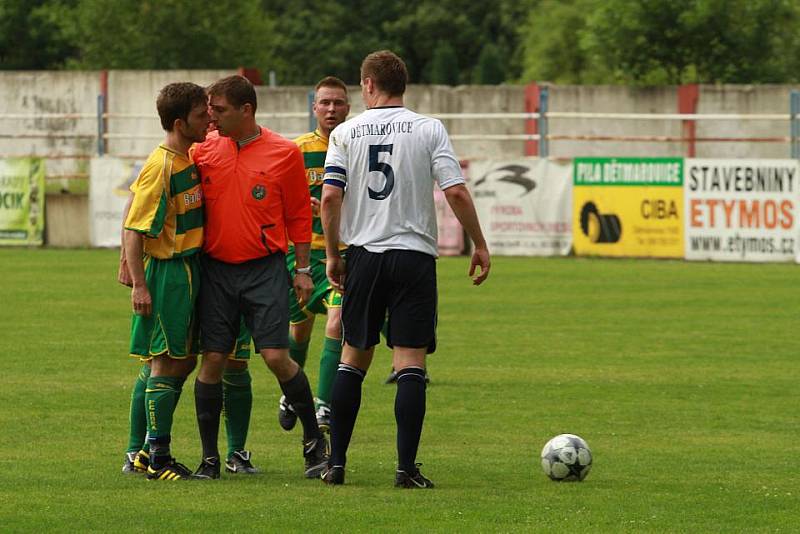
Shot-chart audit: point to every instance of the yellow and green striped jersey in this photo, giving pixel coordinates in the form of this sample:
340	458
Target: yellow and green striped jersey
167	205
314	147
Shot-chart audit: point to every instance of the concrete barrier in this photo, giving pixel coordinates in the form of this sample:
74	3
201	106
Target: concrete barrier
134	92
66	221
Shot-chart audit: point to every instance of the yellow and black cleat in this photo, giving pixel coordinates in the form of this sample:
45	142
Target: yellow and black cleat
172	471
141	462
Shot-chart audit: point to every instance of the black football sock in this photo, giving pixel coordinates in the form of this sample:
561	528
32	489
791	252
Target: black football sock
208	403
409	412
298	394
345	402
160	454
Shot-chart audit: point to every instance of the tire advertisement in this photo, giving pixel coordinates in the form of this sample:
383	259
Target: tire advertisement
21	201
523	205
628	207
741	210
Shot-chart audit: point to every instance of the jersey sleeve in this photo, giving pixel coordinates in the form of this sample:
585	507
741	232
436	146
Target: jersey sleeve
336	160
297	200
149	206
444	165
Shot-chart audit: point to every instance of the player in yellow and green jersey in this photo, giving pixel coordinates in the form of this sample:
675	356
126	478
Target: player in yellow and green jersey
237	387
331	106
162	238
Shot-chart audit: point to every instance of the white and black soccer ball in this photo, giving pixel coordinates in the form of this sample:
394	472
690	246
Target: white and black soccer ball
567	458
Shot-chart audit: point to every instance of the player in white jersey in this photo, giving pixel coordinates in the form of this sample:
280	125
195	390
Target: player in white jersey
379	176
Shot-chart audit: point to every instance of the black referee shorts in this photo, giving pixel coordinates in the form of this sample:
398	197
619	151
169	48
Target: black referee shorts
257	290
402	282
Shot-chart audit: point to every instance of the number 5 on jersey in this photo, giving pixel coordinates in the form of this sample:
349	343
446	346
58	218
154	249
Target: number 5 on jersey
379	166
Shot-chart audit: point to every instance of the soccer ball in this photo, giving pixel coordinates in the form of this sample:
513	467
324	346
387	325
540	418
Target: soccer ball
567	458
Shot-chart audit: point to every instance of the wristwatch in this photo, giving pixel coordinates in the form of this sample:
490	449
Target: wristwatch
303	270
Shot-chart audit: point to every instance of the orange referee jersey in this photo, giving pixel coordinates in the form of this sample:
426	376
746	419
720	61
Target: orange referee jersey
254	197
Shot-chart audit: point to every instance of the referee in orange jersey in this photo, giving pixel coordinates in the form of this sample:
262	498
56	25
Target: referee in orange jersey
255	196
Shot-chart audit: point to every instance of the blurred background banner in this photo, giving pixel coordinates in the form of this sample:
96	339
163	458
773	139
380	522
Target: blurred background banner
451	233
109	183
524	205
741	209
21	201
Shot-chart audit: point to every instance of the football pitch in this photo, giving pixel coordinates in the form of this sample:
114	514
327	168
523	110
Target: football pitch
682	377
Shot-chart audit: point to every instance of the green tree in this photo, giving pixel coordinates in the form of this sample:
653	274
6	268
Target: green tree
663	41
444	65
306	48
551	43
311	42
31	36
489	70
169	34
465	24
708	41
301	40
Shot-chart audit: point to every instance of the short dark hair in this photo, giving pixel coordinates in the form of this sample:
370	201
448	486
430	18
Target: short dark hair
331	81
387	71
176	100
236	89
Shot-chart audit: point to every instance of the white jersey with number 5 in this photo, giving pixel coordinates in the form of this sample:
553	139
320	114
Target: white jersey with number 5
387	160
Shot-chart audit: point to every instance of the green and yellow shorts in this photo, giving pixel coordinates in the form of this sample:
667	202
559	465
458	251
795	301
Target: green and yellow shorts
172	327
322	297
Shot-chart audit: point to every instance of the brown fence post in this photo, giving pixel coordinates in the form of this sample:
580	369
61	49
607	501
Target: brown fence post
532	100
251	74
688	95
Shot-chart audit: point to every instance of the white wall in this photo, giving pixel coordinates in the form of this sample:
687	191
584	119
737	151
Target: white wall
134	92
36	93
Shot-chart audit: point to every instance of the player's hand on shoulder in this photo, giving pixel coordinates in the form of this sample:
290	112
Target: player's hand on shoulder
480	260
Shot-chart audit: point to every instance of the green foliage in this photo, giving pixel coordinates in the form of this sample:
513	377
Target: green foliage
678	375
31	35
563	41
312	39
663	42
444	65
169	34
552	45
489	70
301	41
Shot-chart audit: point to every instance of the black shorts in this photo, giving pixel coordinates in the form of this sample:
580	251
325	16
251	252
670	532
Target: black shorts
257	290
402	282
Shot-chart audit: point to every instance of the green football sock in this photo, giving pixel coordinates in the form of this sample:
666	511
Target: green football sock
298	351
160	398
328	365
138	414
237	393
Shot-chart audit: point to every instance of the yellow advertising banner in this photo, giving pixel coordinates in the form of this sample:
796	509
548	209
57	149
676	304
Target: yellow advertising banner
628	207
21	201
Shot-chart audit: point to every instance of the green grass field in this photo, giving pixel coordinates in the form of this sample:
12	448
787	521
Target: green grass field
682	377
